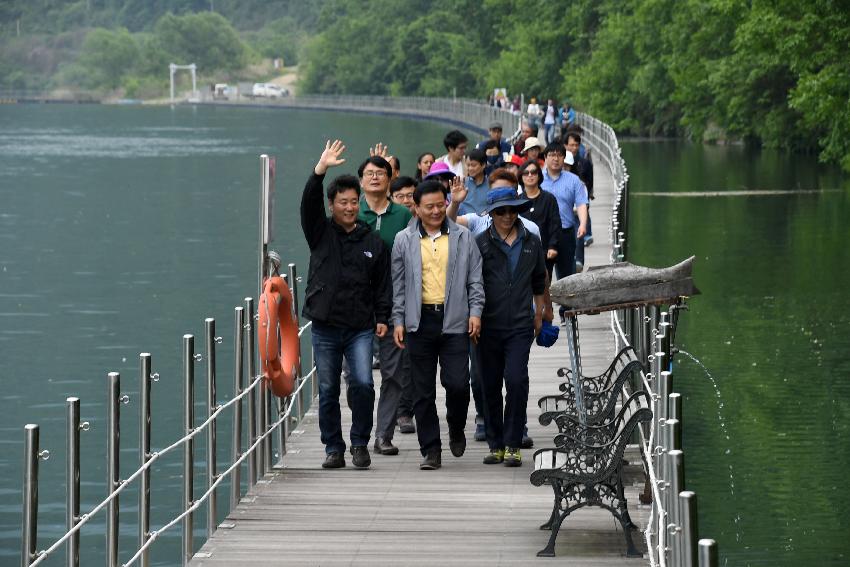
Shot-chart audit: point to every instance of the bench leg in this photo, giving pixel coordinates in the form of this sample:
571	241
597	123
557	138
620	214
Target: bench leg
631	550
549	550
555	509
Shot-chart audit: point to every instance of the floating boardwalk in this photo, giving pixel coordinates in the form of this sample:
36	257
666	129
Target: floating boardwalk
466	513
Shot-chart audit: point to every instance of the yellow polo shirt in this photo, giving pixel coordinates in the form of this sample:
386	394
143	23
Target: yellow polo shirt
435	264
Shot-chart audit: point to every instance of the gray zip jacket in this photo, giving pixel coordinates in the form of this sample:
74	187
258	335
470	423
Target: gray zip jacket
464	286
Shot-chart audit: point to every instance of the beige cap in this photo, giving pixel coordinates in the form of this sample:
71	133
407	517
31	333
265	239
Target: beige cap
530	142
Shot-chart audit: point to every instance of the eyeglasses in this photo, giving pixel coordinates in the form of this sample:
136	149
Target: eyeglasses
403	196
374	173
530	172
501	211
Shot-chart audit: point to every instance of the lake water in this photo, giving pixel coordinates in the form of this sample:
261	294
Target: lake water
122	228
767	450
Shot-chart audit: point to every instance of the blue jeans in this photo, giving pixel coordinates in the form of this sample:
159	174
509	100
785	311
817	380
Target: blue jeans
330	344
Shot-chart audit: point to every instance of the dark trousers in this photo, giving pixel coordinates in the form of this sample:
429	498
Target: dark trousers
395	371
427	346
565	262
405	401
503	355
329	345
475	380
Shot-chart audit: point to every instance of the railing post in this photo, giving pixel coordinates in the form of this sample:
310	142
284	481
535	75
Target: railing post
293	286
29	523
145	378
189	445
210	340
113	450
674	466
675	406
688	517
254	461
238	386
707	553
72	479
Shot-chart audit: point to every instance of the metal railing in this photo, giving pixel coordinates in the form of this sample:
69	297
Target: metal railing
291	411
671	533
471	113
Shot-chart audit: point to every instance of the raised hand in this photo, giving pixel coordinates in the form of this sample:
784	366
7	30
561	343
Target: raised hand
380	150
458	190
330	157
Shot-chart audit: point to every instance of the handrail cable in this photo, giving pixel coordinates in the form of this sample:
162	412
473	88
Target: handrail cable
84	518
221	476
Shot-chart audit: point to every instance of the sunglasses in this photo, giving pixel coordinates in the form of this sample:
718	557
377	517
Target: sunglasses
501	211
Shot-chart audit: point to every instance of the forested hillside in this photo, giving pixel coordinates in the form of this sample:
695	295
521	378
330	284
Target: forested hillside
775	72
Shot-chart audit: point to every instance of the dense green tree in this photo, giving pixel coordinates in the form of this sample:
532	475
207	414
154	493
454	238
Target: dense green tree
106	57
206	39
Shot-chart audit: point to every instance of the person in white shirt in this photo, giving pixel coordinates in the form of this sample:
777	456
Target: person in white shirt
456	143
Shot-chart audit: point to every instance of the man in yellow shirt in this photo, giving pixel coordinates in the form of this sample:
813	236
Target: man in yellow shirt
438	298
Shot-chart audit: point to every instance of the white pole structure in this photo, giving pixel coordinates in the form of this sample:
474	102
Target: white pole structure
173	68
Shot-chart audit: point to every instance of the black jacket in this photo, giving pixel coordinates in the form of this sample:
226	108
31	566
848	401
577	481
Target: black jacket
584	169
544	213
348	283
508	297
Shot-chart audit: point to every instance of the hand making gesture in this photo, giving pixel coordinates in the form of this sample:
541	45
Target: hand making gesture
330	157
458	190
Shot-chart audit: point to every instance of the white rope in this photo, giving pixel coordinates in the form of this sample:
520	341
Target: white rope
197	504
656	513
155	456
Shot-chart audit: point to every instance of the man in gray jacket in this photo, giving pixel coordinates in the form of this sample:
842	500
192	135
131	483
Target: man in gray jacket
438	297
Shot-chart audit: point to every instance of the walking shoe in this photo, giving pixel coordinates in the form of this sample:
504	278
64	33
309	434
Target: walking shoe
432	461
360	457
512	457
527	442
376	363
385	447
457	443
588	240
494	457
334	460
405	424
480	430
579	266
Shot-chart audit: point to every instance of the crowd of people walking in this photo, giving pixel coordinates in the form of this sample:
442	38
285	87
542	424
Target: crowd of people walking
449	267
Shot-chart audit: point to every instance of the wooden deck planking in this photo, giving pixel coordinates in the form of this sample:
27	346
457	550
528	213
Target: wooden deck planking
466	513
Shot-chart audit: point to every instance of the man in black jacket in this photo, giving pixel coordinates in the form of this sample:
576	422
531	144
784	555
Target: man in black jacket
514	273
348	298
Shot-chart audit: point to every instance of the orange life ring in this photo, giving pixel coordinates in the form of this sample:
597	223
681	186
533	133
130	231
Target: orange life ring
280	348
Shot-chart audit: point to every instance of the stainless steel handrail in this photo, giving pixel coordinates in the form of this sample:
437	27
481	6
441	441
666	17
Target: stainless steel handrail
156	455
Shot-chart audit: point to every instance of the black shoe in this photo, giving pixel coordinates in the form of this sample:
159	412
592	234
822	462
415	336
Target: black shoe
457	443
432	461
360	457
334	460
385	447
527	442
405	424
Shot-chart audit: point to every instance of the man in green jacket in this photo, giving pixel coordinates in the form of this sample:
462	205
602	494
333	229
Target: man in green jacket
387	219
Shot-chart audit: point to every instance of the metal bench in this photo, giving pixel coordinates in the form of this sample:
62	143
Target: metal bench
600	404
586	469
602	381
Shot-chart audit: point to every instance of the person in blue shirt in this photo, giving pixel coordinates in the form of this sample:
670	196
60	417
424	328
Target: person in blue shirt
571	195
476	183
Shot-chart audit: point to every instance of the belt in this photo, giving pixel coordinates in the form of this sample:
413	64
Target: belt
438	307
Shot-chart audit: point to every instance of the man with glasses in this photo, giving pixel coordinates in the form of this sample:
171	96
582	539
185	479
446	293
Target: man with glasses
514	274
570	194
437	305
387	219
401	192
